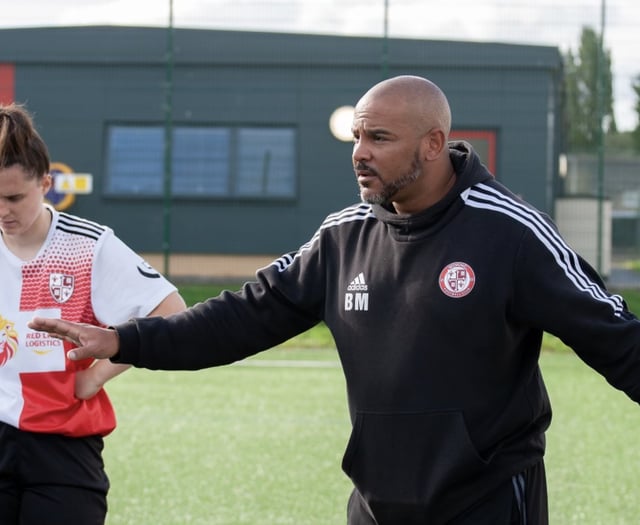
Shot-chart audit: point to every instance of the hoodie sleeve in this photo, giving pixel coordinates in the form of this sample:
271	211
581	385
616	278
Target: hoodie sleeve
284	300
560	293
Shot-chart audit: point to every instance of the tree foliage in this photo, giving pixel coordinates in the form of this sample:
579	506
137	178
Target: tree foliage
583	79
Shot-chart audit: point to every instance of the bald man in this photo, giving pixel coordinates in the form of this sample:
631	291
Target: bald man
437	288
411	115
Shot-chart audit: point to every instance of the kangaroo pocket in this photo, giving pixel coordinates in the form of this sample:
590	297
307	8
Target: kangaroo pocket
410	458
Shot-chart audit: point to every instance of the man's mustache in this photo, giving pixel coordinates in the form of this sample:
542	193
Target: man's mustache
363	166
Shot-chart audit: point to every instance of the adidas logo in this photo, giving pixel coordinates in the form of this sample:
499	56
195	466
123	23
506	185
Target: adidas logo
357	297
358	284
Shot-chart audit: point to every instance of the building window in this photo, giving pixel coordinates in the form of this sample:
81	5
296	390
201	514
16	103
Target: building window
135	160
221	162
265	162
201	161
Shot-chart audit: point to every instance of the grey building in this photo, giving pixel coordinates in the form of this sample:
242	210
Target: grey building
254	165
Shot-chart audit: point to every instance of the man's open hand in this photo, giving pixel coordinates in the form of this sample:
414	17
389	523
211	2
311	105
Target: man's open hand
91	341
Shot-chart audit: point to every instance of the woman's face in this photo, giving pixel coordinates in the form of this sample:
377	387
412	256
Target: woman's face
21	197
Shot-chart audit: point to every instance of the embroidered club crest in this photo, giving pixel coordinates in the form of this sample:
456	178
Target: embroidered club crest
61	286
457	279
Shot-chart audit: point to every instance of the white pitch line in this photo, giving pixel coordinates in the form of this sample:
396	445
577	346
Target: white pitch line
287	363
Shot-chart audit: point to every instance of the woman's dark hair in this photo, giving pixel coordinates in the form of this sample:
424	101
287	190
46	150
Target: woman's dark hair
20	143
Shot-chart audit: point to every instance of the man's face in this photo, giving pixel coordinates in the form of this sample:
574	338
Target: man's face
386	152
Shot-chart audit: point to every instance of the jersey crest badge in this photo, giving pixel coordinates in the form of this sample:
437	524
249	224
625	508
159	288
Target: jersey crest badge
61	286
8	341
457	279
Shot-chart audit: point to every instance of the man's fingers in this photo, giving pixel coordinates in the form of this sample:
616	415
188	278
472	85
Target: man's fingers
77	354
57	328
91	341
53	326
60	330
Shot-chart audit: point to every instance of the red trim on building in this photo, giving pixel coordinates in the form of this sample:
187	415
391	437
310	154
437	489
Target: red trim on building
486	136
7	83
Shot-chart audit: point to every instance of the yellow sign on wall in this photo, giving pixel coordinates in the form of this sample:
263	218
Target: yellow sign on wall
73	183
66	184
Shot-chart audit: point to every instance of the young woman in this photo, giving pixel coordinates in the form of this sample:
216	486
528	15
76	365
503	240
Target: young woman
54	412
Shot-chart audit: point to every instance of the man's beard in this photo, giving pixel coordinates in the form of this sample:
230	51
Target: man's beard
390	189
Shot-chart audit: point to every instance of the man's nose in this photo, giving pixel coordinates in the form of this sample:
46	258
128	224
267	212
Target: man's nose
360	151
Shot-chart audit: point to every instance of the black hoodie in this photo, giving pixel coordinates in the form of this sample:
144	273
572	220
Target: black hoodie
438	320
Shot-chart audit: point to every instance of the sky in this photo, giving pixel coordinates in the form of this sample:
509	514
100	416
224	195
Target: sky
545	22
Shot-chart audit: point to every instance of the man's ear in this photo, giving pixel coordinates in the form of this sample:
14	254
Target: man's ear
433	144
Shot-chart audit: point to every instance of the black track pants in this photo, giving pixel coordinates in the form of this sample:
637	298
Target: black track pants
522	500
48	479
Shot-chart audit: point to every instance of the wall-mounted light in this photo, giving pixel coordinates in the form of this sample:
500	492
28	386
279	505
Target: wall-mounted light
340	123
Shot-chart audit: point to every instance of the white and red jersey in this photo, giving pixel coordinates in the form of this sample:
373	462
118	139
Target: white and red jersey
82	273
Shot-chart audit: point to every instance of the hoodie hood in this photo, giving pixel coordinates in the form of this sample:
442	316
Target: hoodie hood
469	172
467	165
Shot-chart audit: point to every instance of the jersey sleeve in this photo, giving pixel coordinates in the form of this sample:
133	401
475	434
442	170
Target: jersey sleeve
123	284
